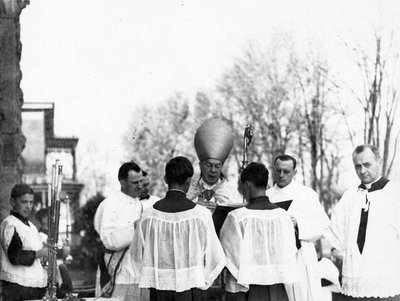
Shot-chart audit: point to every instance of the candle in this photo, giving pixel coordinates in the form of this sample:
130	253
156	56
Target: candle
48	195
67	213
59	182
68	222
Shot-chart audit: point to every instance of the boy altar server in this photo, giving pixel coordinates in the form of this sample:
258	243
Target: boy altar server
259	242
175	250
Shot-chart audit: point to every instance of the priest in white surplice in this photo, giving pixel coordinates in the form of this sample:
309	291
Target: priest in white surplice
259	243
114	221
365	228
310	221
175	251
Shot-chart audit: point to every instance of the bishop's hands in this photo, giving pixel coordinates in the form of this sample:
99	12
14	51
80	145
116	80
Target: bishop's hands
205	199
208	204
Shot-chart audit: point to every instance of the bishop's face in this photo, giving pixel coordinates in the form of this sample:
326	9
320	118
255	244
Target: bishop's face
367	166
211	170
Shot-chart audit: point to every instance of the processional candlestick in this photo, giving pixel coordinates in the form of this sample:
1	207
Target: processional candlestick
54	201
54	191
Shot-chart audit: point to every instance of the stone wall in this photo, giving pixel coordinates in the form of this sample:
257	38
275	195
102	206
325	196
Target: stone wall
11	98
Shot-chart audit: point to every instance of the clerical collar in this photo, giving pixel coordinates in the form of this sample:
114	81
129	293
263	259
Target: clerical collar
288	187
128	197
20	217
176	190
261	203
377	185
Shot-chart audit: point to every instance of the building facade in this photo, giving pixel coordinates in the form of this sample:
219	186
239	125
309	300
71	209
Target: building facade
42	149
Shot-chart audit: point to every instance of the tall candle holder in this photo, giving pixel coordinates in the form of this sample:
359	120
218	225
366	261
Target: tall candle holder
54	201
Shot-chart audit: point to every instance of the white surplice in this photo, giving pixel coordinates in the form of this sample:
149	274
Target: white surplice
312	222
375	272
176	251
114	222
148	203
260	248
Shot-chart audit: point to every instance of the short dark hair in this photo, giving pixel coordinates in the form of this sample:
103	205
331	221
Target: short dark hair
41	214
363	147
125	168
285	157
255	173
178	170
19	190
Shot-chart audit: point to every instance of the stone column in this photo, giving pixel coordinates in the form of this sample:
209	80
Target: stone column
11	98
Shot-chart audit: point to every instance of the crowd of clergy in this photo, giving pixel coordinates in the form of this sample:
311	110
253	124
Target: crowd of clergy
205	240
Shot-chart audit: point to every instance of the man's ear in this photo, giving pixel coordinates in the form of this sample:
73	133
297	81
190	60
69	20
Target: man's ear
12	202
380	162
123	184
248	184
295	172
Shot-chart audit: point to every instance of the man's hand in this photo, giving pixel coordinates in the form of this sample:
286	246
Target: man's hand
336	255
43	252
208	204
66	251
293	221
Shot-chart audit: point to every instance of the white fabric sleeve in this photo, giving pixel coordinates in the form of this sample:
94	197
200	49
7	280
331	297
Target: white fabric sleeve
313	221
228	194
7	232
113	237
136	250
231	239
337	228
214	257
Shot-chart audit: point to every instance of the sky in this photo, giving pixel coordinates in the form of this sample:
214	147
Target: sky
98	60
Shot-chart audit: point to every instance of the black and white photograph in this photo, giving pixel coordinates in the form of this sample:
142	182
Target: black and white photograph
222	150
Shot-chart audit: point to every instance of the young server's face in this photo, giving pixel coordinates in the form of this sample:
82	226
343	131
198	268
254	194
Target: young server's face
23	204
44	223
284	172
211	170
367	166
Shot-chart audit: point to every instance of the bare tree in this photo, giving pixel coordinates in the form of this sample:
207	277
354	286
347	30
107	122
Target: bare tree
319	123
290	101
158	134
256	89
379	99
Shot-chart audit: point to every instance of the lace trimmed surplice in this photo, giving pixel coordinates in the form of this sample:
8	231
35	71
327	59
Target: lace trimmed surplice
260	246
375	272
176	251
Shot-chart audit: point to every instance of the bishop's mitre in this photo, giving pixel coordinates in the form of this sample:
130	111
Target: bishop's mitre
213	140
